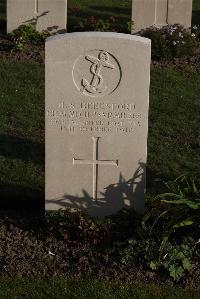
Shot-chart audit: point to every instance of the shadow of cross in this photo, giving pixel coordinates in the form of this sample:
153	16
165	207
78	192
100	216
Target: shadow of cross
36	15
95	162
161	16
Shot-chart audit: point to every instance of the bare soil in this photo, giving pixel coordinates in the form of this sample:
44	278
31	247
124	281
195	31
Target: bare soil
29	247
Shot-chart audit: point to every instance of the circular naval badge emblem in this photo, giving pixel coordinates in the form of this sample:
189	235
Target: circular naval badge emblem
96	73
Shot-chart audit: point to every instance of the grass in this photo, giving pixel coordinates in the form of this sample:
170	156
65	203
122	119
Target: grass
173	143
90	289
21	132
174	137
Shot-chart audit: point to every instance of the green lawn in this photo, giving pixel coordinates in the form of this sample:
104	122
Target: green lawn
21	132
173	143
59	288
174	136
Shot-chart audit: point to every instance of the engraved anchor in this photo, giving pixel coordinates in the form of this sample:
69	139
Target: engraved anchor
94	87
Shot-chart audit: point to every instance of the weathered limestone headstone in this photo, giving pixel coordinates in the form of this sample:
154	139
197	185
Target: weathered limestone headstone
43	14
146	13
180	11
97	94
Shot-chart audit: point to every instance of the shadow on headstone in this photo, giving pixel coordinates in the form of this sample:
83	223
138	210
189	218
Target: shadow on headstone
34	22
119	195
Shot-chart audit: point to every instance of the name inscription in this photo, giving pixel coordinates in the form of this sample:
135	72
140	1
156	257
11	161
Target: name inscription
95	117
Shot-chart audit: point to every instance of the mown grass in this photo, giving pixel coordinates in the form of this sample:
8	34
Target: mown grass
174	136
90	289
21	133
173	143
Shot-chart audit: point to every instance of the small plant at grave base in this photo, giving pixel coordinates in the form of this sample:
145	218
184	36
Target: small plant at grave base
2	264
71	225
26	34
176	259
110	24
167	239
177	215
178	209
195	32
171	41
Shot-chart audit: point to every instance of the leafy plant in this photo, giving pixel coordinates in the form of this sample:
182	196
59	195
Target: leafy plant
71	225
195	31
2	264
177	209
27	34
171	41
110	24
167	239
175	259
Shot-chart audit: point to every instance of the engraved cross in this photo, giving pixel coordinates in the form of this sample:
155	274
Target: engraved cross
95	162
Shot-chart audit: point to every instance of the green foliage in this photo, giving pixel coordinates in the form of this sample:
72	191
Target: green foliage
175	217
27	34
81	10
110	24
72	225
2	264
195	31
137	250
176	259
167	240
178	209
172	41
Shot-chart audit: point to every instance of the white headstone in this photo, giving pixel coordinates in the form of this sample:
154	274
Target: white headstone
43	14
146	13
97	94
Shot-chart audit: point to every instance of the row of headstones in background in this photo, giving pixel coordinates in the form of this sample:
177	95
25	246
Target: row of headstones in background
97	97
52	14
146	13
43	14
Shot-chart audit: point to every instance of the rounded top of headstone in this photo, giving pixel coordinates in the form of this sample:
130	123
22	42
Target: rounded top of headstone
94	34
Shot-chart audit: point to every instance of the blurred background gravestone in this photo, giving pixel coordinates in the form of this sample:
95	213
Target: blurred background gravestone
146	13
42	14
